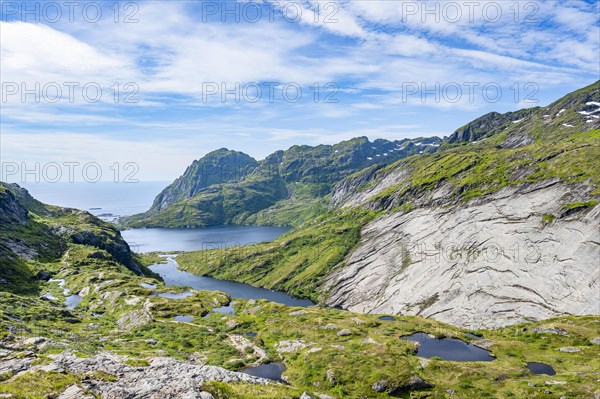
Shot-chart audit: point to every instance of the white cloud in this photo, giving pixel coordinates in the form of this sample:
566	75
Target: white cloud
35	52
574	18
370	52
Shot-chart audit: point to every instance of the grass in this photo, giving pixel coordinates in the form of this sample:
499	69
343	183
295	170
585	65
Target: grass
294	263
581	205
373	352
38	385
548	218
474	171
291	212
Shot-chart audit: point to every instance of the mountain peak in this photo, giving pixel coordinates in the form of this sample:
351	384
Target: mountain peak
576	111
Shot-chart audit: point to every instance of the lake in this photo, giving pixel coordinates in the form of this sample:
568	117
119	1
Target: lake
121	199
165	240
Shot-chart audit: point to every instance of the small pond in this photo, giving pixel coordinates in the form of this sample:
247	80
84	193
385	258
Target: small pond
271	371
540	368
251	335
48	296
387	318
173	295
149	286
184	319
72	301
448	349
226	310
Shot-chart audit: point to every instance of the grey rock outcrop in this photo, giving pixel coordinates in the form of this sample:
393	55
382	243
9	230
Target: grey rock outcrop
164	378
487	263
380	386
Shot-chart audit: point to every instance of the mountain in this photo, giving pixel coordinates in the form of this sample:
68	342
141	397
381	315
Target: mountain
497	227
518	239
32	233
578	111
218	167
287	187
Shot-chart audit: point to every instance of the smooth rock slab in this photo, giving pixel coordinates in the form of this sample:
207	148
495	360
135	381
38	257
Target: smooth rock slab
487	263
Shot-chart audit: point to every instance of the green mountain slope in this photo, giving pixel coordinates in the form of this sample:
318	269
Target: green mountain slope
34	235
47	349
459	173
575	112
287	187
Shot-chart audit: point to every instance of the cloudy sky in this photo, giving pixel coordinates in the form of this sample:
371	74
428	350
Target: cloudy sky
161	83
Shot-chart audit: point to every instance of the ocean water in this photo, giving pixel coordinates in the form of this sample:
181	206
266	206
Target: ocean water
102	198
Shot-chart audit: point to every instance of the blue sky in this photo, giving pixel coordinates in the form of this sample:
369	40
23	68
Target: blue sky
376	56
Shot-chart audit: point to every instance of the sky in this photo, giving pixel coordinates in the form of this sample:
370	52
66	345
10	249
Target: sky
139	89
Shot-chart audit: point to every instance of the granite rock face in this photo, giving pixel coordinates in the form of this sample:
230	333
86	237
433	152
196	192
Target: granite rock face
493	261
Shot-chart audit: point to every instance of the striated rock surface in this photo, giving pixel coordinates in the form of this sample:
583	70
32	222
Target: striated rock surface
493	261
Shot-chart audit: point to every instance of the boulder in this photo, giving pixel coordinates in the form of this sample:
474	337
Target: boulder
380	386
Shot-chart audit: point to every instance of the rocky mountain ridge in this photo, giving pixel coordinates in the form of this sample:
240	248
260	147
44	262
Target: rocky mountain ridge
229	187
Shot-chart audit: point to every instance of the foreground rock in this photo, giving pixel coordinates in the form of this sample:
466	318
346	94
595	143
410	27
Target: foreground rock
164	378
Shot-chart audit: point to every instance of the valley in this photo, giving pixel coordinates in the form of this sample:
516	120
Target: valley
459	268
